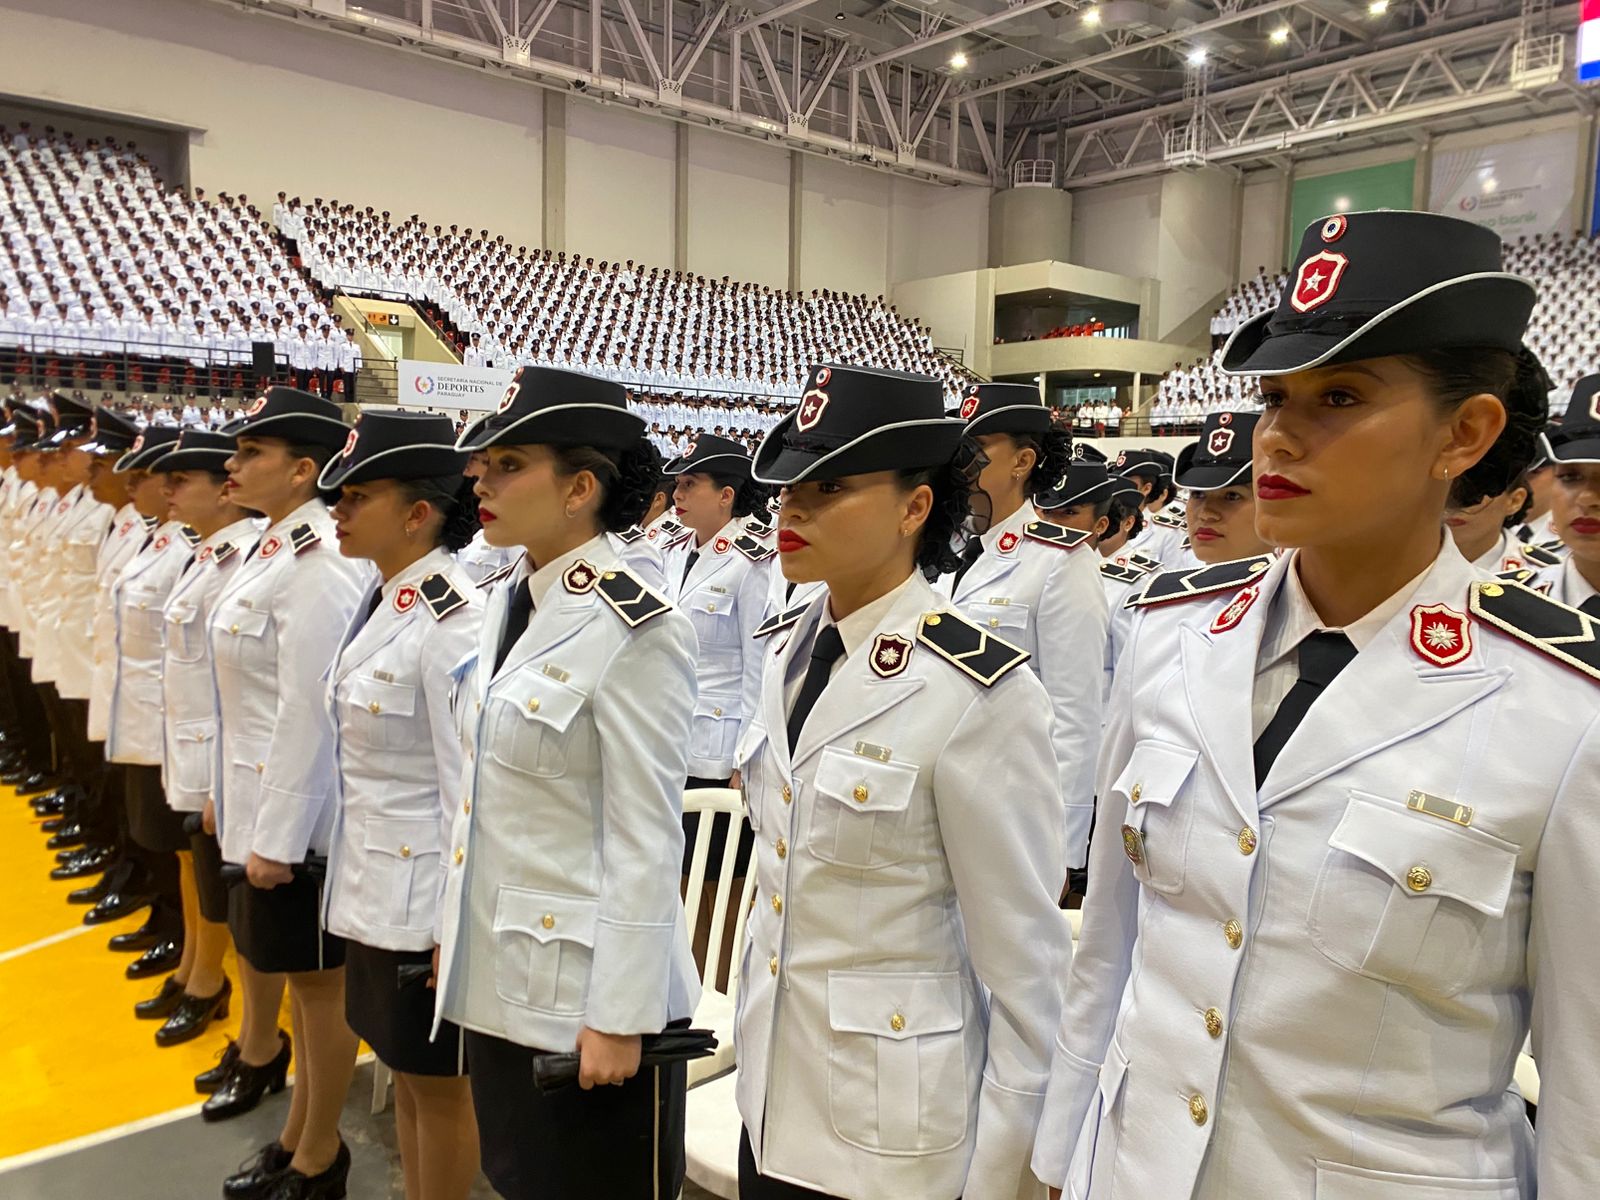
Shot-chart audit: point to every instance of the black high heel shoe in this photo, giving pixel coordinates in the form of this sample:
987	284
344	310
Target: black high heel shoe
255	1176
326	1185
193	1016
163	1003
211	1078
242	1090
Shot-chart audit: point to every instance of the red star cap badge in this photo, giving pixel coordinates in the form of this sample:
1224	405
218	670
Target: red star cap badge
1317	280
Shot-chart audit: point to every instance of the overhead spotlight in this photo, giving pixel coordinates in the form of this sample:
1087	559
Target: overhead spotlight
1091	16
958	61
1279	35
839	15
1378	7
1197	56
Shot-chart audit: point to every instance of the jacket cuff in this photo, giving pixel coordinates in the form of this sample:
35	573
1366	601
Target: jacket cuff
999	1168
630	980
1074	1085
284	824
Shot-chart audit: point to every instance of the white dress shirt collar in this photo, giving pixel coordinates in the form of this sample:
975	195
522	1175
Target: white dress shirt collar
596	551
860	625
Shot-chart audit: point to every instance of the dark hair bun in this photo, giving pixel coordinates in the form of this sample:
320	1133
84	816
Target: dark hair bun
461	517
628	496
1055	458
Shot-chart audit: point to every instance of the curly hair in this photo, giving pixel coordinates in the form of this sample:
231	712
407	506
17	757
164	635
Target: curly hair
628	479
947	523
452	495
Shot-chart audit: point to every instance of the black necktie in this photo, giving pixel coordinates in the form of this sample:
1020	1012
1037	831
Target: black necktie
688	565
788	592
377	599
970	554
1591	606
517	614
825	651
1322	656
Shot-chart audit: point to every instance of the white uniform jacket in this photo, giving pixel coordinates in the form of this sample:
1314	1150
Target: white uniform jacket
724	595
18	498
640	555
561	905
190	712
1120	580
127	536
1162	537
1319	989
1037	586
1561	582
25	559
481	560
82	534
902	978
399	755
275	628
42	563
137	732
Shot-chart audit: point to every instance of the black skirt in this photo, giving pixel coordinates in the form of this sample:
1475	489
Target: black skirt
394	1018
151	823
569	1144
208	876
280	929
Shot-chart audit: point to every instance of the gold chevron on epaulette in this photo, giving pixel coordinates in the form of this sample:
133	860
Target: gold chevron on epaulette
971	649
1054	535
627	594
1172	586
1521	575
1539	554
752	548
781	620
1122	572
1568	635
629	536
303	537
1166	522
1144	562
440	596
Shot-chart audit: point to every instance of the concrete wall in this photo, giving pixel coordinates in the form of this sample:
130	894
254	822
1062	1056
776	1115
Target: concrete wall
1032	224
959	308
1116	227
620	179
738	208
1197	247
1263	209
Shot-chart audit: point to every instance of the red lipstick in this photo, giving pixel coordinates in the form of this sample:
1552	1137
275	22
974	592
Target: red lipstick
790	541
1586	526
1277	487
484	516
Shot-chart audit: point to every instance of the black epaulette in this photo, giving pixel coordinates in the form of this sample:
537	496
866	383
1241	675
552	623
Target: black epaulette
1165	521
1121	573
973	650
303	537
633	602
149	522
495	576
1540	555
1054	535
1567	635
191	536
629	536
1200	581
752	548
670	527
781	620
1554	545
223	553
1144	562
1521	575
440	595
757	526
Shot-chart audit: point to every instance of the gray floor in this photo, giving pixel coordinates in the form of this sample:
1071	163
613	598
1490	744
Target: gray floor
189	1159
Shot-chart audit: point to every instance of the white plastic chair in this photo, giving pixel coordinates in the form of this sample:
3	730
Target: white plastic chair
715	1011
711	1137
1527	1078
380	1086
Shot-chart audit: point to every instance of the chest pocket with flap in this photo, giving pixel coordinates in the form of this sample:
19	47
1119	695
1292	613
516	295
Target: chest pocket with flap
533	720
1155	833
859	812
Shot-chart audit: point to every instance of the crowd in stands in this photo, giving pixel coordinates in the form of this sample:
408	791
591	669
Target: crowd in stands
100	259
644	326
1187	393
1250	297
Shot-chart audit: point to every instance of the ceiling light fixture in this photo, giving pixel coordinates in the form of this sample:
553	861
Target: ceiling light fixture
1378	7
1280	35
1197	56
1091	16
958	61
839	15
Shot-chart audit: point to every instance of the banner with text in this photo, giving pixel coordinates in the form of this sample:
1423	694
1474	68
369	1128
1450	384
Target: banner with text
1523	187
451	386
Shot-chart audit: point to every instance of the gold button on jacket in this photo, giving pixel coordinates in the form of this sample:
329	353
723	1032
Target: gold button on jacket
1234	932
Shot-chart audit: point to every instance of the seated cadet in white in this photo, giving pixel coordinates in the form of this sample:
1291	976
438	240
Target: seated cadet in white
404	506
274	630
1220	512
905	956
195	485
1337	905
1037	585
562	929
717	576
1572	447
1485	532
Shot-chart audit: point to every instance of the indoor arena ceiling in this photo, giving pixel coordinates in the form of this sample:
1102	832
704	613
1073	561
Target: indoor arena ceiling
978	90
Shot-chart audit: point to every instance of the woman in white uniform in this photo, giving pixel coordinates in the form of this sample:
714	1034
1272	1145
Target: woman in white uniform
1573	450
561	923
1220	512
1037	584
1161	535
196	489
274	630
405	507
905	953
1338	903
1485	532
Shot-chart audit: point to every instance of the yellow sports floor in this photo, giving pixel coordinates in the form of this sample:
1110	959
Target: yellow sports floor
73	1058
